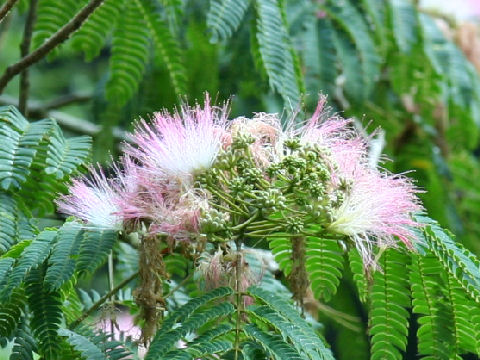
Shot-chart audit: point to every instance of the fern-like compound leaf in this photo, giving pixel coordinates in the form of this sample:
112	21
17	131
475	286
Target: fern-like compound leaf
276	51
282	250
24	345
82	344
65	156
390	298
355	28
224	17
92	36
290	324
11	312
274	345
61	264
359	274
166	45
18	151
165	340
460	262
130	51
33	256
52	15
95	246
405	27
435	335
324	266
46	311
320	59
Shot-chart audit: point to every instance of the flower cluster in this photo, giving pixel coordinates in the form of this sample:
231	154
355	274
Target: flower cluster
195	175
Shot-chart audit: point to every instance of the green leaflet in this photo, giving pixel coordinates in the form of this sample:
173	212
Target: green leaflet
435	333
460	262
130	52
94	248
52	15
166	44
324	266
91	37
224	17
45	307
276	51
389	300
82	344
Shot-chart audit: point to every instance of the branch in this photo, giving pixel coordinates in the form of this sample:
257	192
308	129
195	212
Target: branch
56	39
67	100
99	303
24	50
6	8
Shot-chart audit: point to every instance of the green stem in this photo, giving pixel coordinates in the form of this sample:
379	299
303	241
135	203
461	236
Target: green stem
104	298
238	291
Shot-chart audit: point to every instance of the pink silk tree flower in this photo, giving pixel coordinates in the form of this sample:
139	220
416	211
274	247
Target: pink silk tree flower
93	199
376	209
176	147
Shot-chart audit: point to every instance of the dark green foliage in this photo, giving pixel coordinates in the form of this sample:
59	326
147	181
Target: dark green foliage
18	151
91	37
65	156
276	51
83	345
130	51
274	346
61	264
46	311
24	344
11	313
166	45
460	262
224	17
94	248
428	299
52	15
288	322
404	24
359	274
389	302
32	256
355	29
35	160
324	265
320	63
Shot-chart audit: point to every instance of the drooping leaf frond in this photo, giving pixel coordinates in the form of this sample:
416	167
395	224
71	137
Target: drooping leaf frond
130	51
91	37
390	298
224	17
95	245
45	307
52	15
324	265
276	51
166	46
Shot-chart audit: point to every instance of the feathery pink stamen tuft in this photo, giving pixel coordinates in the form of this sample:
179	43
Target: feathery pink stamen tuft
180	145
